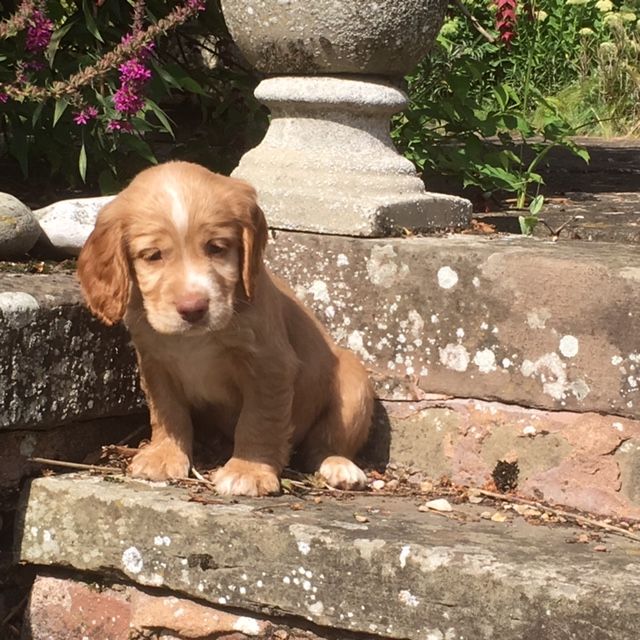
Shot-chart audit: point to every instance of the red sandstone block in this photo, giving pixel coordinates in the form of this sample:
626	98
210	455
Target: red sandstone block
65	609
69	610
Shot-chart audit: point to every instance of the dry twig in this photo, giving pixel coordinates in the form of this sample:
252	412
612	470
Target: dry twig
75	465
200	478
560	512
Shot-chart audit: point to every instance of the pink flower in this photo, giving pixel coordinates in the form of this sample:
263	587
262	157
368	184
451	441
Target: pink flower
4	97
120	125
133	72
85	115
198	5
39	32
127	101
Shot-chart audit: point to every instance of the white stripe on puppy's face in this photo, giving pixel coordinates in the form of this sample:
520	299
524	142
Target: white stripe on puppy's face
179	212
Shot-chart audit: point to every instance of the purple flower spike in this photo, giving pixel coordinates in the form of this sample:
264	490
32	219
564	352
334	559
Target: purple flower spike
127	101
133	71
39	32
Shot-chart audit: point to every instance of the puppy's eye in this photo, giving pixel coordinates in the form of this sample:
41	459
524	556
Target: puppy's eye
152	256
214	248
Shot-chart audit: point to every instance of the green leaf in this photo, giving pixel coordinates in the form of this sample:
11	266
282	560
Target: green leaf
527	224
162	116
108	183
19	147
165	76
82	163
60	108
37	112
183	79
90	21
56	38
139	146
536	205
191	85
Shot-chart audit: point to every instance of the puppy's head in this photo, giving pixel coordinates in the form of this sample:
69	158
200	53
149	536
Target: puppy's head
187	240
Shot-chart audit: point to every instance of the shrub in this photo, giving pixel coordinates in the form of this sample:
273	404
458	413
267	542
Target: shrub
545	72
89	89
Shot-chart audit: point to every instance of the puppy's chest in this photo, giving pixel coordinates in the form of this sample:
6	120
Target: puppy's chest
207	376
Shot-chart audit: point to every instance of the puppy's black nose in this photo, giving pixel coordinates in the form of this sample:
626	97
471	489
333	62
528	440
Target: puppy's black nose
192	307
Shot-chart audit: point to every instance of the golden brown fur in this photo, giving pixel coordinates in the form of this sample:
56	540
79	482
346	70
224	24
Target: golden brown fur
178	256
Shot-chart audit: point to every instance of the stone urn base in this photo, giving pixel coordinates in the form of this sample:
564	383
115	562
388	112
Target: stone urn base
327	163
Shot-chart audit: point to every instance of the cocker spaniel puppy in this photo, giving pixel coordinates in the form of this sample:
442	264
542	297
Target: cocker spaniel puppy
178	256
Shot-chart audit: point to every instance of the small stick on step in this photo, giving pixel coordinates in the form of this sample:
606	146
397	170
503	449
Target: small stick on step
200	478
560	512
75	465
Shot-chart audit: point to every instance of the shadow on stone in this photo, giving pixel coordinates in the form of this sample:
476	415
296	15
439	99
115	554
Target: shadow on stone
376	451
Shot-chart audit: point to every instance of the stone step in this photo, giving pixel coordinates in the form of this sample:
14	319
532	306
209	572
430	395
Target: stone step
372	565
57	363
523	321
549	327
542	324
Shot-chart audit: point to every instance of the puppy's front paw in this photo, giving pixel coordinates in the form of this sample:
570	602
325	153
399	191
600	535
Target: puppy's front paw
341	473
242	478
160	461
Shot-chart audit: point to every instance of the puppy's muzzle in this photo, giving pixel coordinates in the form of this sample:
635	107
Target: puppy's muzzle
193	307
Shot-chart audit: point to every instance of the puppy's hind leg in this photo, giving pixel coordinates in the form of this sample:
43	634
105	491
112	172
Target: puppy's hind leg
336	437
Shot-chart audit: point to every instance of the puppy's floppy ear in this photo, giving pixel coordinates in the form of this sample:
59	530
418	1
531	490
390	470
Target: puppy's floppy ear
254	240
103	269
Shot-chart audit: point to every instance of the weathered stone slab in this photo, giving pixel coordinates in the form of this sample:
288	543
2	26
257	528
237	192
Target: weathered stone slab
400	574
585	461
540	324
57	363
524	321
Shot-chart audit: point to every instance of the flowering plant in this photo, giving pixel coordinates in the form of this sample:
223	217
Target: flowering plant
91	85
508	80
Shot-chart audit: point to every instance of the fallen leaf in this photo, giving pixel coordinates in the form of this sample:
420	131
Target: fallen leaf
360	518
499	516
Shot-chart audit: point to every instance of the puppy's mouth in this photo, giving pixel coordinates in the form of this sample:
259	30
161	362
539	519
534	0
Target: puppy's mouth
174	324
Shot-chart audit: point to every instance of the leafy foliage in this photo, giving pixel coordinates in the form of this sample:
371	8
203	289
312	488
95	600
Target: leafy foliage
63	122
488	104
